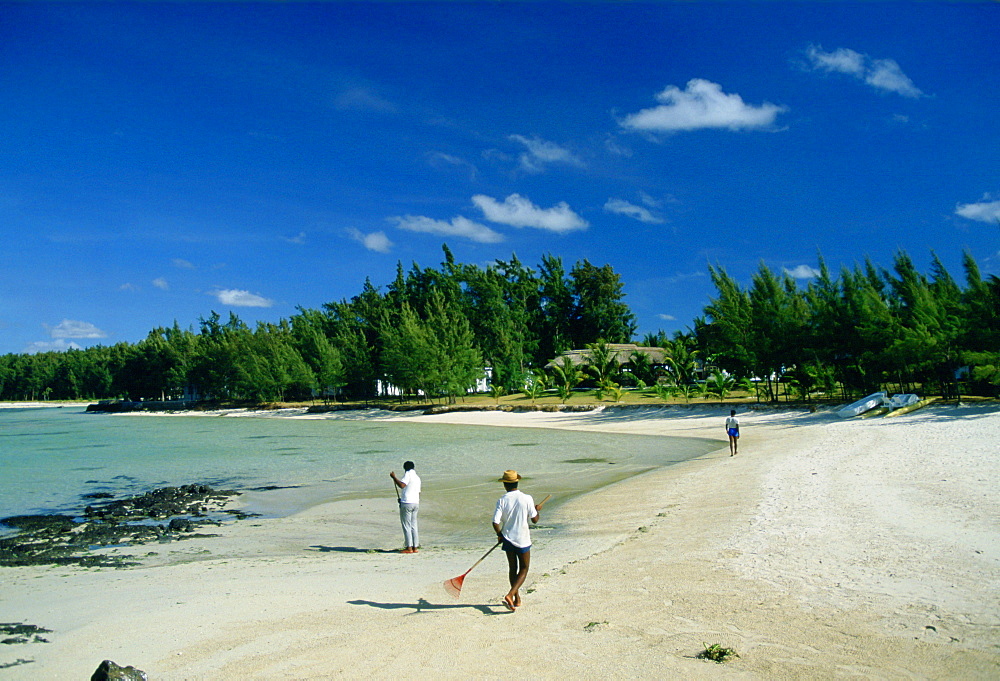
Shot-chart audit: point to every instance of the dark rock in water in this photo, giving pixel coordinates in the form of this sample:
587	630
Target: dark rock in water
98	495
35	523
161	503
181	525
115	406
109	671
63	540
22	633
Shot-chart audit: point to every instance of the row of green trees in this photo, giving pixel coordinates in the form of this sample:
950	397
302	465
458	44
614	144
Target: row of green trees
432	330
866	329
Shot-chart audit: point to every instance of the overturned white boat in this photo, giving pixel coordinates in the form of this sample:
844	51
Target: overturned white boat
902	400
862	405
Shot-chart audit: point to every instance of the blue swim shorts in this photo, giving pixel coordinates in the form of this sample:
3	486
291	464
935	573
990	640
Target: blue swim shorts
510	548
733	432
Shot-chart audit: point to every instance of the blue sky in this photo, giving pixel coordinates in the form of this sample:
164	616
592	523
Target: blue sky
162	161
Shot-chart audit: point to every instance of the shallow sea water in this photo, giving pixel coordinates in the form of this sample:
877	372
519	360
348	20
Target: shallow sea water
51	457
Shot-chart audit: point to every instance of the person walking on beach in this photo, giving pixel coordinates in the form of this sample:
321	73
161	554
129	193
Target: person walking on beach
510	522
733	431
409	504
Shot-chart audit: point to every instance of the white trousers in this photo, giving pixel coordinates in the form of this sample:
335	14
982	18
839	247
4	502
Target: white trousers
408	518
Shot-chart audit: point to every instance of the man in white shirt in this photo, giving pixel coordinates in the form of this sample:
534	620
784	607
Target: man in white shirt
409	504
733	431
510	522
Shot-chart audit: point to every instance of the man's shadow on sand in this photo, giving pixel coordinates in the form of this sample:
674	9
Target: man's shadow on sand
350	549
424	606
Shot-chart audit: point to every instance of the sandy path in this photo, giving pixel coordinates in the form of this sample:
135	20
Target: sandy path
826	549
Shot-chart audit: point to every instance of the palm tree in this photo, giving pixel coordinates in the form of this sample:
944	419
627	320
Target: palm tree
566	376
616	391
664	391
497	391
720	384
682	357
687	390
609	386
602	364
642	369
748	386
536	385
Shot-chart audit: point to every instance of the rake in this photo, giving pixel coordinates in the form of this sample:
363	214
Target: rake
454	585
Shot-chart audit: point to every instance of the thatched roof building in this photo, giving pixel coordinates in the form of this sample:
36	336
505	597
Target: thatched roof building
622	353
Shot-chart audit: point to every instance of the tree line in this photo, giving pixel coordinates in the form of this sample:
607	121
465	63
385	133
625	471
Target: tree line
435	330
432	330
865	330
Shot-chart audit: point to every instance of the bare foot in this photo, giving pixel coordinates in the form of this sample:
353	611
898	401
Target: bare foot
509	603
517	600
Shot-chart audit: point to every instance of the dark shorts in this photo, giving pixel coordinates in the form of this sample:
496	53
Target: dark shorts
510	548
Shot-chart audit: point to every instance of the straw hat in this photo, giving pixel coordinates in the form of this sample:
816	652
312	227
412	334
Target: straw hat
510	476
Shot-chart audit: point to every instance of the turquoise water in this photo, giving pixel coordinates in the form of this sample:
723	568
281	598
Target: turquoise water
51	457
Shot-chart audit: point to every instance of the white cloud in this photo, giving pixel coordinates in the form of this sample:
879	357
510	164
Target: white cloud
667	317
181	264
518	211
240	298
802	272
984	211
299	239
60	345
541	152
650	201
841	60
375	241
882	74
441	160
681	277
458	226
363	99
128	287
613	147
622	207
702	104
496	156
885	74
161	284
69	328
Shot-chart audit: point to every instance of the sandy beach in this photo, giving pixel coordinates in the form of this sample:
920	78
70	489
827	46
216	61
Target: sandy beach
825	549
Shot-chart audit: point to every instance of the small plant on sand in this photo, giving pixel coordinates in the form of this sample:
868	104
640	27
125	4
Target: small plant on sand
616	392
716	653
664	391
611	388
535	386
687	391
497	391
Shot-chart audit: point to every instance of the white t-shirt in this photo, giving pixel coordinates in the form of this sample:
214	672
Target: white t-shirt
410	493
732	422
514	510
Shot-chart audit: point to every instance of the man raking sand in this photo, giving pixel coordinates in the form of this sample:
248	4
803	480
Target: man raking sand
510	522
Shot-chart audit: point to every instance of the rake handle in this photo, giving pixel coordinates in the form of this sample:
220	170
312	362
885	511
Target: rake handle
492	548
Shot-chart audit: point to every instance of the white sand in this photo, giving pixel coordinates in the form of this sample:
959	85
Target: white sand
825	549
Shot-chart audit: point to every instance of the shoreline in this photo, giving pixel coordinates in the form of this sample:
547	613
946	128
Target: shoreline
781	553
